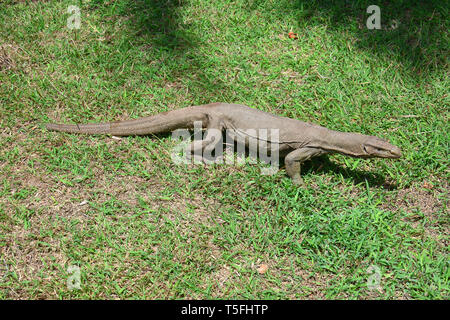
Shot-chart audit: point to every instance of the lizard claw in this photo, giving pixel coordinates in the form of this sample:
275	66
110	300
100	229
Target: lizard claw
298	181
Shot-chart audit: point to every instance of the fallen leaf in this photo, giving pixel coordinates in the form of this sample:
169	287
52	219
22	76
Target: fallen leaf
427	185
292	35
263	268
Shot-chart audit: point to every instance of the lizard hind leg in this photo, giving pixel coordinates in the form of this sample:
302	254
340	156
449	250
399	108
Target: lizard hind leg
294	160
201	150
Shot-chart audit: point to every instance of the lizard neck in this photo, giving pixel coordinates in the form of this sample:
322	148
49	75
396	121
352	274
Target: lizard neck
347	143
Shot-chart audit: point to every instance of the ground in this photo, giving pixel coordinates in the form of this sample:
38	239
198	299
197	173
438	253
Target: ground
139	226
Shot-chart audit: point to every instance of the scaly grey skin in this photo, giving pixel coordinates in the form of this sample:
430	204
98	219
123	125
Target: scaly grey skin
298	141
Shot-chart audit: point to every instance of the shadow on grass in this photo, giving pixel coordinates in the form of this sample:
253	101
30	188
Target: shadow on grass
159	22
324	164
316	165
413	32
319	164
416	32
157	17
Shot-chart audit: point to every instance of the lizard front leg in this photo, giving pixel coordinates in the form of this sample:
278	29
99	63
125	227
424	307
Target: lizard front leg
294	160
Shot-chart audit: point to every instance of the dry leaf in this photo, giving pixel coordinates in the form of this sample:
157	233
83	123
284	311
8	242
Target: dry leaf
263	268
292	35
427	185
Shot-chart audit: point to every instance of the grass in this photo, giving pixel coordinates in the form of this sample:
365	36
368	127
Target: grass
141	227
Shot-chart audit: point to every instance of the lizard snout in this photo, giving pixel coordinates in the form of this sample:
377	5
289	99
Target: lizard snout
396	152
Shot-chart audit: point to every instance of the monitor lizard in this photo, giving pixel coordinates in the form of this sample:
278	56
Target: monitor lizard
297	142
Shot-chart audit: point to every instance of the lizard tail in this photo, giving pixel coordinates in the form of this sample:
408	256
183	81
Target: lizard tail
163	122
94	128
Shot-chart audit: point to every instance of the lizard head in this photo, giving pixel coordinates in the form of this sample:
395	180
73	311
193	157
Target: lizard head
379	148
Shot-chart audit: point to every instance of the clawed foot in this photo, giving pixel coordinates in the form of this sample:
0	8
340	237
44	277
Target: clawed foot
298	181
